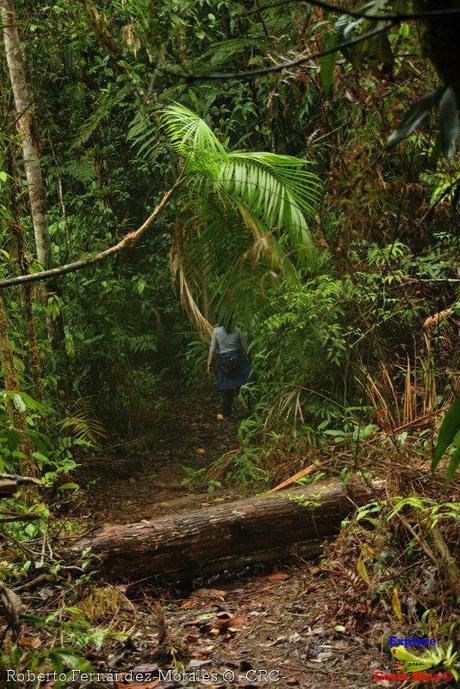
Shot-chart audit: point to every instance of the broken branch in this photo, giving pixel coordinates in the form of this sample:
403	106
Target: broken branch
127	242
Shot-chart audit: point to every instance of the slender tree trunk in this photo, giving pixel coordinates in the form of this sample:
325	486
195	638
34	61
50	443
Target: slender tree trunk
25	121
33	354
35	362
17	419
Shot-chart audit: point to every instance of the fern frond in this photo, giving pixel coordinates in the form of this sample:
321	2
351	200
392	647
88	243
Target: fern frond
82	425
144	135
104	107
82	170
221	53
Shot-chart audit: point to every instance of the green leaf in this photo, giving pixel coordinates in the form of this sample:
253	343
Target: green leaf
328	63
41	458
31	403
449	124
414	116
362	570
19	403
449	429
12	440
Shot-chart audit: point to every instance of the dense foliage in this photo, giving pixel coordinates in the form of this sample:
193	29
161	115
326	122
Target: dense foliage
329	247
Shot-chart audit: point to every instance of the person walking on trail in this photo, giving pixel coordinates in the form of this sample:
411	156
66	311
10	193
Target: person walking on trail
228	359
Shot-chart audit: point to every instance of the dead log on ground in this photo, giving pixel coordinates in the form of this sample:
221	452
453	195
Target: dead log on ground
204	541
8	488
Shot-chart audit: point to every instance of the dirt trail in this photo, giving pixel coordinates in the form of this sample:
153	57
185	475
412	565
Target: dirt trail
257	629
131	481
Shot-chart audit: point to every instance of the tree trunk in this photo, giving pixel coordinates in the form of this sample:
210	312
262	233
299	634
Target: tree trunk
259	529
26	126
25	121
439	39
17	419
33	353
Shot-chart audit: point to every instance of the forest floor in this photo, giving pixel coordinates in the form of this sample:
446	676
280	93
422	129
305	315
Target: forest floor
283	627
145	476
316	625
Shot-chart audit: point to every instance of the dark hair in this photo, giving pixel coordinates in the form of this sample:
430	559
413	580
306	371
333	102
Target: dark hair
226	321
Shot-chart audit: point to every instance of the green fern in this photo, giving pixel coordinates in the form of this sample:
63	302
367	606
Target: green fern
82	425
82	169
104	107
143	135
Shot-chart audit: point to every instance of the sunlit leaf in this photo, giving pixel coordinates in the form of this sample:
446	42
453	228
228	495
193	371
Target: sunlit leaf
396	604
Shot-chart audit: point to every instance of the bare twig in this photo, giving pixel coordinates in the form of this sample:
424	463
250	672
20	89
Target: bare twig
19	518
263	71
41	579
357	14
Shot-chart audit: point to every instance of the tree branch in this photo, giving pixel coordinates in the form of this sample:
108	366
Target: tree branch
127	242
19	518
398	17
20	479
256	73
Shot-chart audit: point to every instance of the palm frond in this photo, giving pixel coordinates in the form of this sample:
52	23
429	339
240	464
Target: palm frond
241	215
188	133
278	189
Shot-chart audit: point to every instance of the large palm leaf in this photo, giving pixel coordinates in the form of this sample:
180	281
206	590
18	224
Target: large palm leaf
239	211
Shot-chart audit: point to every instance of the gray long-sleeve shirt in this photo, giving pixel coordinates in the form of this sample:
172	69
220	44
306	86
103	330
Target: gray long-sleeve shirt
222	341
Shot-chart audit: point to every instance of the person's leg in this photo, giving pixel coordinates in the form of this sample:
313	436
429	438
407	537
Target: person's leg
227	401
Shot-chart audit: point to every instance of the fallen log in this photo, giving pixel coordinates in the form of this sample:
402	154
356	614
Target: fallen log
204	541
8	488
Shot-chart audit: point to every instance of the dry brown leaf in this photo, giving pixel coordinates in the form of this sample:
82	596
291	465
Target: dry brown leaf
31	642
190	603
209	593
292	479
203	652
226	624
276	576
